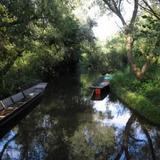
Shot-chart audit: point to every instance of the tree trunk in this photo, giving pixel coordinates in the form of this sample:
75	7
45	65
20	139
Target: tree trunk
115	7
139	72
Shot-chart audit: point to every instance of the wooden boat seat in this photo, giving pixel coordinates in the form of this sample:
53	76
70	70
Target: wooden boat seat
7	105
7	102
1	106
18	97
28	91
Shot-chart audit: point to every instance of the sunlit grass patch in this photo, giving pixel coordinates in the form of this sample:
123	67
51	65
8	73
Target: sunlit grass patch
142	97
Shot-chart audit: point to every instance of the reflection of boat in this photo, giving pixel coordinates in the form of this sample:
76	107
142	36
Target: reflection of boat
101	87
15	107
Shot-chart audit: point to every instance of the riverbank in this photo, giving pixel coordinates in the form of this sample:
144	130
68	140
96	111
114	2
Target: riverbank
142	97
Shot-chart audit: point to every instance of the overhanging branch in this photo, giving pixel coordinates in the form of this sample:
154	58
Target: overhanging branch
150	9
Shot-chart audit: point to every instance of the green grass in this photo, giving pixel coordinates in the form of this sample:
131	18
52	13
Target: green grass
143	97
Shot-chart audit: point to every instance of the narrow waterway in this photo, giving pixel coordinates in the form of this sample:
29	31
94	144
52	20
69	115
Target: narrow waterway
67	125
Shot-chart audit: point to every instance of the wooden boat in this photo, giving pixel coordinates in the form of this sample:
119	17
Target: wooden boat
101	87
100	97
15	107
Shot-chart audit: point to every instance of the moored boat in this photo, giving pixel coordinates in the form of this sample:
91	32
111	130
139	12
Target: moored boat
101	87
16	107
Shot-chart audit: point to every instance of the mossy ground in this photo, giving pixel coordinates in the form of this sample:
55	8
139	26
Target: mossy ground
141	96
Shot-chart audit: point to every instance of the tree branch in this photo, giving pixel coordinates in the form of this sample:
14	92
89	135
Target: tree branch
134	15
119	4
118	12
109	6
115	9
151	10
146	9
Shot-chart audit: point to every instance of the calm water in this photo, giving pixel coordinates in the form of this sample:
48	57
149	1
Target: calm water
67	125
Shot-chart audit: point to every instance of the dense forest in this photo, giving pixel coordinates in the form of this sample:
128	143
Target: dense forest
39	40
42	39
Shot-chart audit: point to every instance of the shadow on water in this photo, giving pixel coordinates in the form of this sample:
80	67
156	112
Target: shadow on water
68	125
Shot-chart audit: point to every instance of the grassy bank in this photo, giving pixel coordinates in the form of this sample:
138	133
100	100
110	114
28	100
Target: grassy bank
143	97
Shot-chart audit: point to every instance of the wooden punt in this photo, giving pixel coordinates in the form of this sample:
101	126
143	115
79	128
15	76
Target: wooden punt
100	88
16	107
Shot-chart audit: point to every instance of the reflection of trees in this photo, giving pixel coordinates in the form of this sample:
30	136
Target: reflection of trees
136	139
124	146
6	145
56	136
129	139
55	130
45	133
156	137
149	142
92	141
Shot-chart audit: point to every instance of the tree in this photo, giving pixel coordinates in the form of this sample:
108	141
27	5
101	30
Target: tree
39	26
115	6
14	30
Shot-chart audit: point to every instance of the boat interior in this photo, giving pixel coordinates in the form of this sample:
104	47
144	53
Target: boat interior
13	102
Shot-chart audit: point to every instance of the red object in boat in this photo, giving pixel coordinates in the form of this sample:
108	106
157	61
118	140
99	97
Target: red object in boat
97	91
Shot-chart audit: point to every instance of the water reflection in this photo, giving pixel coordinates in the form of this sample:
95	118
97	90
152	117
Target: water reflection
67	125
113	113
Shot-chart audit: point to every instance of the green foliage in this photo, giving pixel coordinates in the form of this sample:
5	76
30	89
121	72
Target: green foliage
109	58
147	39
7	48
38	39
116	53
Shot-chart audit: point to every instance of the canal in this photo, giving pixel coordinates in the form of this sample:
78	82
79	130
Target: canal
67	125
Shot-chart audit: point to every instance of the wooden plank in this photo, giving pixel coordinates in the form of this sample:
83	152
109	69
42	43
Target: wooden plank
18	97
7	102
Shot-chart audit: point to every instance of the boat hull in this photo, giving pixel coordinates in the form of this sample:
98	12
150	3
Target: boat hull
18	113
100	93
12	119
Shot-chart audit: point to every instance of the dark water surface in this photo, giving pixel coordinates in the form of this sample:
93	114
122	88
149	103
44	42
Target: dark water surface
67	125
